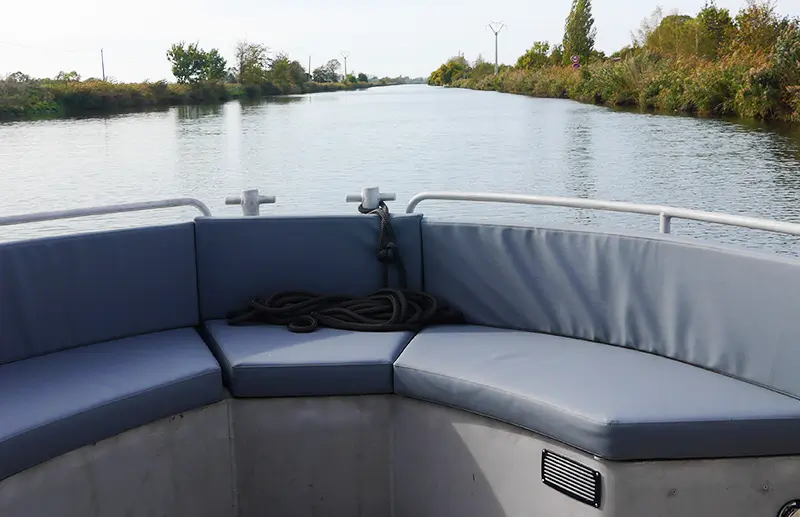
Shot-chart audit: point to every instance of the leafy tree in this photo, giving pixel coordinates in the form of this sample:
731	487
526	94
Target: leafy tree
757	27
191	64
279	72
481	68
716	29
675	36
68	77
787	56
328	73
579	30
362	78
188	62
454	69
215	66
556	55
297	73
251	63
351	79
647	27
536	57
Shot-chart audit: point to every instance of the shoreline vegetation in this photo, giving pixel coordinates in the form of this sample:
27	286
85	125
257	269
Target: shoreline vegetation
201	77
712	64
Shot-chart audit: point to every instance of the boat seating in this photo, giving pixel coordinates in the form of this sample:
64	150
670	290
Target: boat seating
630	348
271	361
96	338
328	255
614	350
612	402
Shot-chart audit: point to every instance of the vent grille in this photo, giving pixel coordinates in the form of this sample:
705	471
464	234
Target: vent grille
571	478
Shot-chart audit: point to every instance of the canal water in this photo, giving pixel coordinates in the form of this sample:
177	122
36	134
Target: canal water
311	151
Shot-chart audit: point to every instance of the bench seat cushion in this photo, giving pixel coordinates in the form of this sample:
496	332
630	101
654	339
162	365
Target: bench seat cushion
271	361
614	402
52	404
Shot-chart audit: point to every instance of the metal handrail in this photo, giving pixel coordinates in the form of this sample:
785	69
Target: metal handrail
102	210
665	213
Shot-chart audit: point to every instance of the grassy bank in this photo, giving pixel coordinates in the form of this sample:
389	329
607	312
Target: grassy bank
747	87
22	97
746	66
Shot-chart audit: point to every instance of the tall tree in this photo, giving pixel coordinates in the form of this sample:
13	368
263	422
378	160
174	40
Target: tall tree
758	27
329	73
579	30
191	64
716	28
251	62
536	57
188	62
215	68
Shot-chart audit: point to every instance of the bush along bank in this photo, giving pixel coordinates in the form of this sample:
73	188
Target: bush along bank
202	77
712	64
32	97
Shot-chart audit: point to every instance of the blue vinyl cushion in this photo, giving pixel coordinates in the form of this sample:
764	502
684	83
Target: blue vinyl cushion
729	310
259	256
614	402
63	292
271	361
52	404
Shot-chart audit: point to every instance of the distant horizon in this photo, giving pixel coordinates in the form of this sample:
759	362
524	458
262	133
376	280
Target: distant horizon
389	40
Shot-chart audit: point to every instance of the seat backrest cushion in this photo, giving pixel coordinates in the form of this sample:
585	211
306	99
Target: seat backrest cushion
731	311
259	256
62	292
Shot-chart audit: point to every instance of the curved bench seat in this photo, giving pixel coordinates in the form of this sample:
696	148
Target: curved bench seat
271	361
613	402
52	404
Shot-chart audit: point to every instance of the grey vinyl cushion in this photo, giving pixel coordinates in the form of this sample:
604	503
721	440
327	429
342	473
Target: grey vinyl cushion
727	310
62	292
614	402
56	403
271	361
259	256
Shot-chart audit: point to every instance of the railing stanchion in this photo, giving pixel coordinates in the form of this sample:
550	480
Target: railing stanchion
664	223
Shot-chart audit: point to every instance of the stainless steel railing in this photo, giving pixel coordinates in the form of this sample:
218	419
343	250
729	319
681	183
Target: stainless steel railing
665	213
102	210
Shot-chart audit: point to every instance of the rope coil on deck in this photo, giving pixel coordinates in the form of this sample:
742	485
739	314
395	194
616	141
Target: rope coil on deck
385	310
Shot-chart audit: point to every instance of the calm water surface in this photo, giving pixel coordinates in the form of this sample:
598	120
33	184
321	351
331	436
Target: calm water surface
310	151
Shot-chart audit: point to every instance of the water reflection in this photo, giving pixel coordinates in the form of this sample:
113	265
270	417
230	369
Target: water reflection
579	157
311	150
191	112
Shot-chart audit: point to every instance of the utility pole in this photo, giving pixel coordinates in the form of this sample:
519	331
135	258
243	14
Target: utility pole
496	27
345	55
309	67
103	64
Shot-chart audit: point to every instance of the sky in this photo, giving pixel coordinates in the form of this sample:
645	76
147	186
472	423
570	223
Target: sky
383	37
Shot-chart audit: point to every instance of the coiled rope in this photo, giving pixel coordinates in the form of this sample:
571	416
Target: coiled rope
385	310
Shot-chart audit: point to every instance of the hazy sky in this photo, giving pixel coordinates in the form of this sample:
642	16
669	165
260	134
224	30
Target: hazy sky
388	37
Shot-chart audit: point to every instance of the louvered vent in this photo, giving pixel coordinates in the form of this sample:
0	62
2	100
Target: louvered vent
571	478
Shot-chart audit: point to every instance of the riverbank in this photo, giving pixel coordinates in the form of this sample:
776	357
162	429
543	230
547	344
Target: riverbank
749	89
21	99
714	63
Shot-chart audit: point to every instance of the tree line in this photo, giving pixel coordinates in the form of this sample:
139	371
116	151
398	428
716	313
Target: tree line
714	63
253	66
202	76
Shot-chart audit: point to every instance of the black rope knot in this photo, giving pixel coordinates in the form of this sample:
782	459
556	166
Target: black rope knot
388	254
